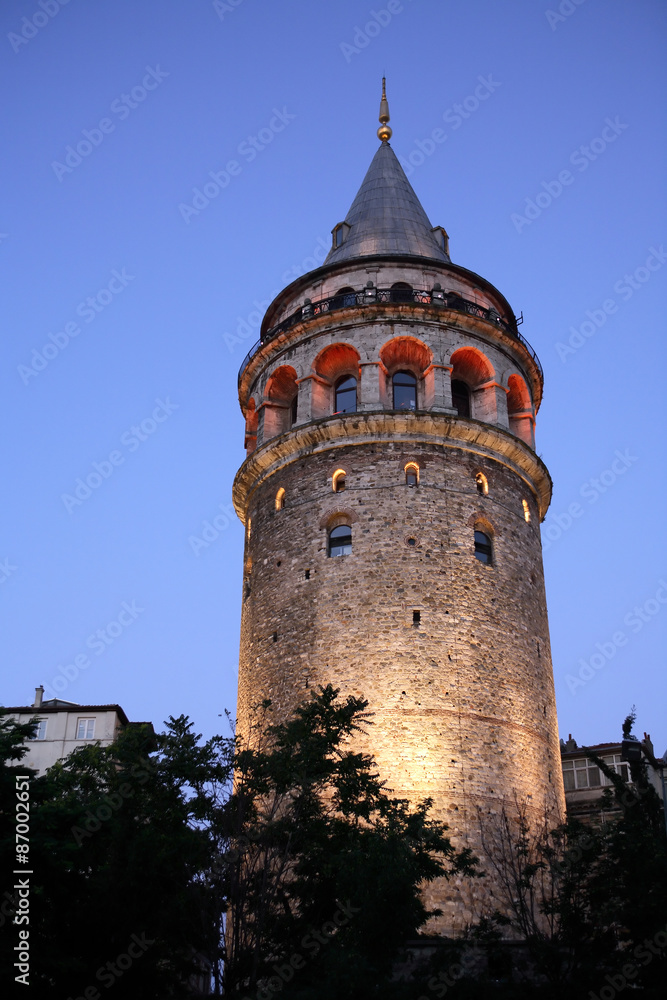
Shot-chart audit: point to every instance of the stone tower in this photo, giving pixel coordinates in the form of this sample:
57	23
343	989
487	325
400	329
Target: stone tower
392	499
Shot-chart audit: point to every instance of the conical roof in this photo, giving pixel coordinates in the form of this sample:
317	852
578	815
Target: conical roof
386	216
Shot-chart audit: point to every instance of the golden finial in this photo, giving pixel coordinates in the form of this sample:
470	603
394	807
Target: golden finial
384	132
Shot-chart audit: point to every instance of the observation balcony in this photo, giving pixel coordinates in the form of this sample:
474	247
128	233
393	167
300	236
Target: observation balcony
371	295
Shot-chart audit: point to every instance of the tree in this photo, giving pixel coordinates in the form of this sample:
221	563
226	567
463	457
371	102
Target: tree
119	893
324	878
588	903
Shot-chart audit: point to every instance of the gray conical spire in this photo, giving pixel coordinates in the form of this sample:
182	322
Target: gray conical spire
386	216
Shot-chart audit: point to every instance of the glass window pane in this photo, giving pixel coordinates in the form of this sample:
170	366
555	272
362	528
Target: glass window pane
461	398
346	395
568	780
405	391
483	549
593	776
340	540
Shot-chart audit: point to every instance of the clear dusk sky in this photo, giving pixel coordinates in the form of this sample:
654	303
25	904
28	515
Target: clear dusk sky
130	300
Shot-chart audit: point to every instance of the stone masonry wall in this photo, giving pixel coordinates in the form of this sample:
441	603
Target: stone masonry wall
463	703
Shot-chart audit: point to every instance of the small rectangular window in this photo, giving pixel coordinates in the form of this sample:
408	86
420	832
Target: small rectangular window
85	729
416	617
40	732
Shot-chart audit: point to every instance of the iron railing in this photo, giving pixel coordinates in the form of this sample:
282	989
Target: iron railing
373	295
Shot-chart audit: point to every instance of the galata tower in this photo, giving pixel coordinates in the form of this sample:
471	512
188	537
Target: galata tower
392	498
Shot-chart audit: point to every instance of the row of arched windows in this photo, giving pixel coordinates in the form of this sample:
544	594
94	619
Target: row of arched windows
411	473
408	381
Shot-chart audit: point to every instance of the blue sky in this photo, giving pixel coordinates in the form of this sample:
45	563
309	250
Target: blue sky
549	185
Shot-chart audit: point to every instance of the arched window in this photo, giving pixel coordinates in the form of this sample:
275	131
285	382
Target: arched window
412	474
340	540
280	499
483	548
461	397
526	510
339	480
346	395
345	296
405	391
401	292
482	483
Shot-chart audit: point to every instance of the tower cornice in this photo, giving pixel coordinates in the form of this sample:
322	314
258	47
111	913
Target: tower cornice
424	429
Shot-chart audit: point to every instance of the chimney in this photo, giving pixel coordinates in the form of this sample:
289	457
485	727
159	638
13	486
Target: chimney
39	694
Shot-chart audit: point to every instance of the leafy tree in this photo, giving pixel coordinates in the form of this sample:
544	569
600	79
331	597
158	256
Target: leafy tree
119	891
325	876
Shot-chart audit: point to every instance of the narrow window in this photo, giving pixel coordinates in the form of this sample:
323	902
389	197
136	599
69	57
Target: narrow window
40	732
482	483
85	729
339	480
307	574
412	474
280	499
483	548
416	618
526	510
405	391
275	637
293	410
461	398
346	395
340	540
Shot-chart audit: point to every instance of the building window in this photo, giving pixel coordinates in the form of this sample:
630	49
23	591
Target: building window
461	397
412	474
401	292
280	499
584	774
346	395
85	729
293	410
40	732
339	480
482	484
483	548
405	391
340	540
345	296
526	510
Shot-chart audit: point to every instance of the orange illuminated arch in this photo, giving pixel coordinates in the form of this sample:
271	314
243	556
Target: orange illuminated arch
518	397
406	352
411	474
471	366
337	360
281	386
339	480
280	499
482	483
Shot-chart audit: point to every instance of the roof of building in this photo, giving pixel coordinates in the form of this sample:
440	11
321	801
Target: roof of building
55	705
386	217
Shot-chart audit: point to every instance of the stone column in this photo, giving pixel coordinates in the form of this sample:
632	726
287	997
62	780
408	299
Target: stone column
369	386
490	404
437	389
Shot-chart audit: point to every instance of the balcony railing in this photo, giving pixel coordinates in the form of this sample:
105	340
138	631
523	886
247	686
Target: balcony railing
372	296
